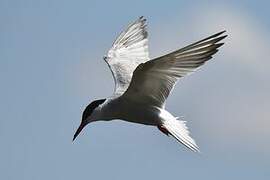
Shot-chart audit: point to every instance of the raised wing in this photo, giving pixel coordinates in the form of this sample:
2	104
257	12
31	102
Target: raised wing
153	81
128	51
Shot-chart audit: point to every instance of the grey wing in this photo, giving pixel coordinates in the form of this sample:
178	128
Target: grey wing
128	51
153	81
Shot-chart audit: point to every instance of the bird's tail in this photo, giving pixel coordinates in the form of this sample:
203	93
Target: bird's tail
179	131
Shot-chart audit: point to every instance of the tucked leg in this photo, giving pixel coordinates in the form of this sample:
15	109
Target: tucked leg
163	129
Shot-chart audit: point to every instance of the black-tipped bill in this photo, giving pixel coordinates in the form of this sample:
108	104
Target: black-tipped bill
82	125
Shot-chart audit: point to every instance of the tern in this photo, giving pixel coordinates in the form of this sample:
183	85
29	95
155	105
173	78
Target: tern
143	85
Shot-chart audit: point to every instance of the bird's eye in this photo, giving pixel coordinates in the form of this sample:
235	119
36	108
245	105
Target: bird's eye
105	57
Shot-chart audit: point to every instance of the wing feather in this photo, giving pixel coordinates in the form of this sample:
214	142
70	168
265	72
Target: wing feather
128	51
153	81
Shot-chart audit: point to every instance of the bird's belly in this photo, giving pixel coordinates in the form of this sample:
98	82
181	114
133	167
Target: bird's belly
141	115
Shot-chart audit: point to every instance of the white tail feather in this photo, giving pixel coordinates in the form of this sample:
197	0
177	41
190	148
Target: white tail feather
179	131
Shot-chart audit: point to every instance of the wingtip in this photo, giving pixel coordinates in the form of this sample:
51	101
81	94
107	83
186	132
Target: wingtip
224	36
219	33
222	31
219	44
219	39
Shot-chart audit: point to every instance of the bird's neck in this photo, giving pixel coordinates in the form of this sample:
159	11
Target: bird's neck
108	111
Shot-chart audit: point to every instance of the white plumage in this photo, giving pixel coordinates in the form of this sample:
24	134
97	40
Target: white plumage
143	85
128	51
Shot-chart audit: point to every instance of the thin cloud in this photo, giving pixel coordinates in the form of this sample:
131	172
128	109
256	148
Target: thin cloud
248	41
247	47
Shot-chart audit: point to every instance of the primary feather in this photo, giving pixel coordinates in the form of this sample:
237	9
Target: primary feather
153	81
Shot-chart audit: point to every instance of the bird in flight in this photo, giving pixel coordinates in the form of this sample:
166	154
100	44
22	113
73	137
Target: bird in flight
143	85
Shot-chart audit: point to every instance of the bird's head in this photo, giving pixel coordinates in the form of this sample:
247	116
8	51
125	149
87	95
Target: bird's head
88	115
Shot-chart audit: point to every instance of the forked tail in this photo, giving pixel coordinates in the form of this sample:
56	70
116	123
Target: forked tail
179	131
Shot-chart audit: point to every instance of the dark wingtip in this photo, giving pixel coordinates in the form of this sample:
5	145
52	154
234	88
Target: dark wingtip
222	31
218	34
219	44
222	37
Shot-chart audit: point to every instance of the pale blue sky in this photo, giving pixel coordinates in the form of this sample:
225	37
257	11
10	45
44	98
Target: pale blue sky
51	67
